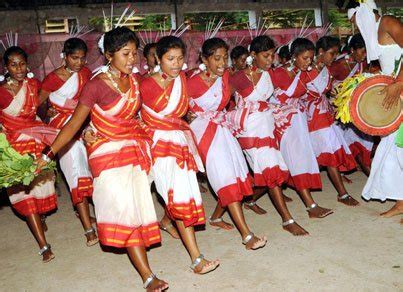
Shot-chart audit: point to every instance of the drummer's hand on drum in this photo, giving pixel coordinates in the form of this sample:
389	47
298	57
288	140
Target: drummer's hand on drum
392	92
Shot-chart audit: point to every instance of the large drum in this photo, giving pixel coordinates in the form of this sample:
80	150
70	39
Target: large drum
366	110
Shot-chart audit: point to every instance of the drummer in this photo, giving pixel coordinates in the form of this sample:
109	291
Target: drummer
383	37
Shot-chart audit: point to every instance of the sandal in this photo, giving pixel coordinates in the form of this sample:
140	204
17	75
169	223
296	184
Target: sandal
250	236
220	220
198	260
46	248
168	227
254	207
323	215
92	241
347	200
149	280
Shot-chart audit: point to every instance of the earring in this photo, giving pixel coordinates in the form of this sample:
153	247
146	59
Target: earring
157	68
30	75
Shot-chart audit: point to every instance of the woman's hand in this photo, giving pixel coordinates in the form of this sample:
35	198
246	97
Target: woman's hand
190	116
51	112
89	136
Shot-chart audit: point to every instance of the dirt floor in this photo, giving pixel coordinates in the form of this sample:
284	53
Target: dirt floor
352	250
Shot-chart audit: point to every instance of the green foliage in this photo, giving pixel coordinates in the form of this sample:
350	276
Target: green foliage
233	20
338	19
288	18
16	168
398	12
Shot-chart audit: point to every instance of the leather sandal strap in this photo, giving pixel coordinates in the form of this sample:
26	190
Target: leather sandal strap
197	261
148	281
44	249
288	222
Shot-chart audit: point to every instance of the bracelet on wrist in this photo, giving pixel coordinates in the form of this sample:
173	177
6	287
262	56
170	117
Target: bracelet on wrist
48	153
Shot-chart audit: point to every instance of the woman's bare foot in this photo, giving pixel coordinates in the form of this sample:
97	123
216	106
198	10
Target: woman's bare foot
316	211
157	285
92	238
347	200
256	242
206	266
169	228
397	209
44	225
254	207
287	199
346	179
293	227
220	224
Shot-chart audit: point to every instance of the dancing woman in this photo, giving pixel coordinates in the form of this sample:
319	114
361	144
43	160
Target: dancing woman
226	168
260	140
175	157
119	158
27	134
346	66
329	145
63	88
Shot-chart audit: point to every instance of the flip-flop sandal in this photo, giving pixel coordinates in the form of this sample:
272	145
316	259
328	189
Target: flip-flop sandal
92	241
197	261
250	236
313	206
219	220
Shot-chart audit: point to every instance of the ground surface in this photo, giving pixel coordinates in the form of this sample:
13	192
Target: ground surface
352	250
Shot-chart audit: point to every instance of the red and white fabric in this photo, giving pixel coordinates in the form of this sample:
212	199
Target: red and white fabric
295	144
223	158
327	138
120	162
175	157
27	134
358	142
73	157
259	139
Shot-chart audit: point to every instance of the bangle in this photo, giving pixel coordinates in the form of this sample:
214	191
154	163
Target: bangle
48	153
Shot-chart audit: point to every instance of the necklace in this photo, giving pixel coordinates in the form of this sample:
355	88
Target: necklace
211	77
165	76
116	86
252	70
114	83
69	70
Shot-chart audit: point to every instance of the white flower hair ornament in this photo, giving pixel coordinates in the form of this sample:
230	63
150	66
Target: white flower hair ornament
249	60
202	67
101	44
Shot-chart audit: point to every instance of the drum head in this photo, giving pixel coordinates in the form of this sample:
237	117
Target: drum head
366	109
